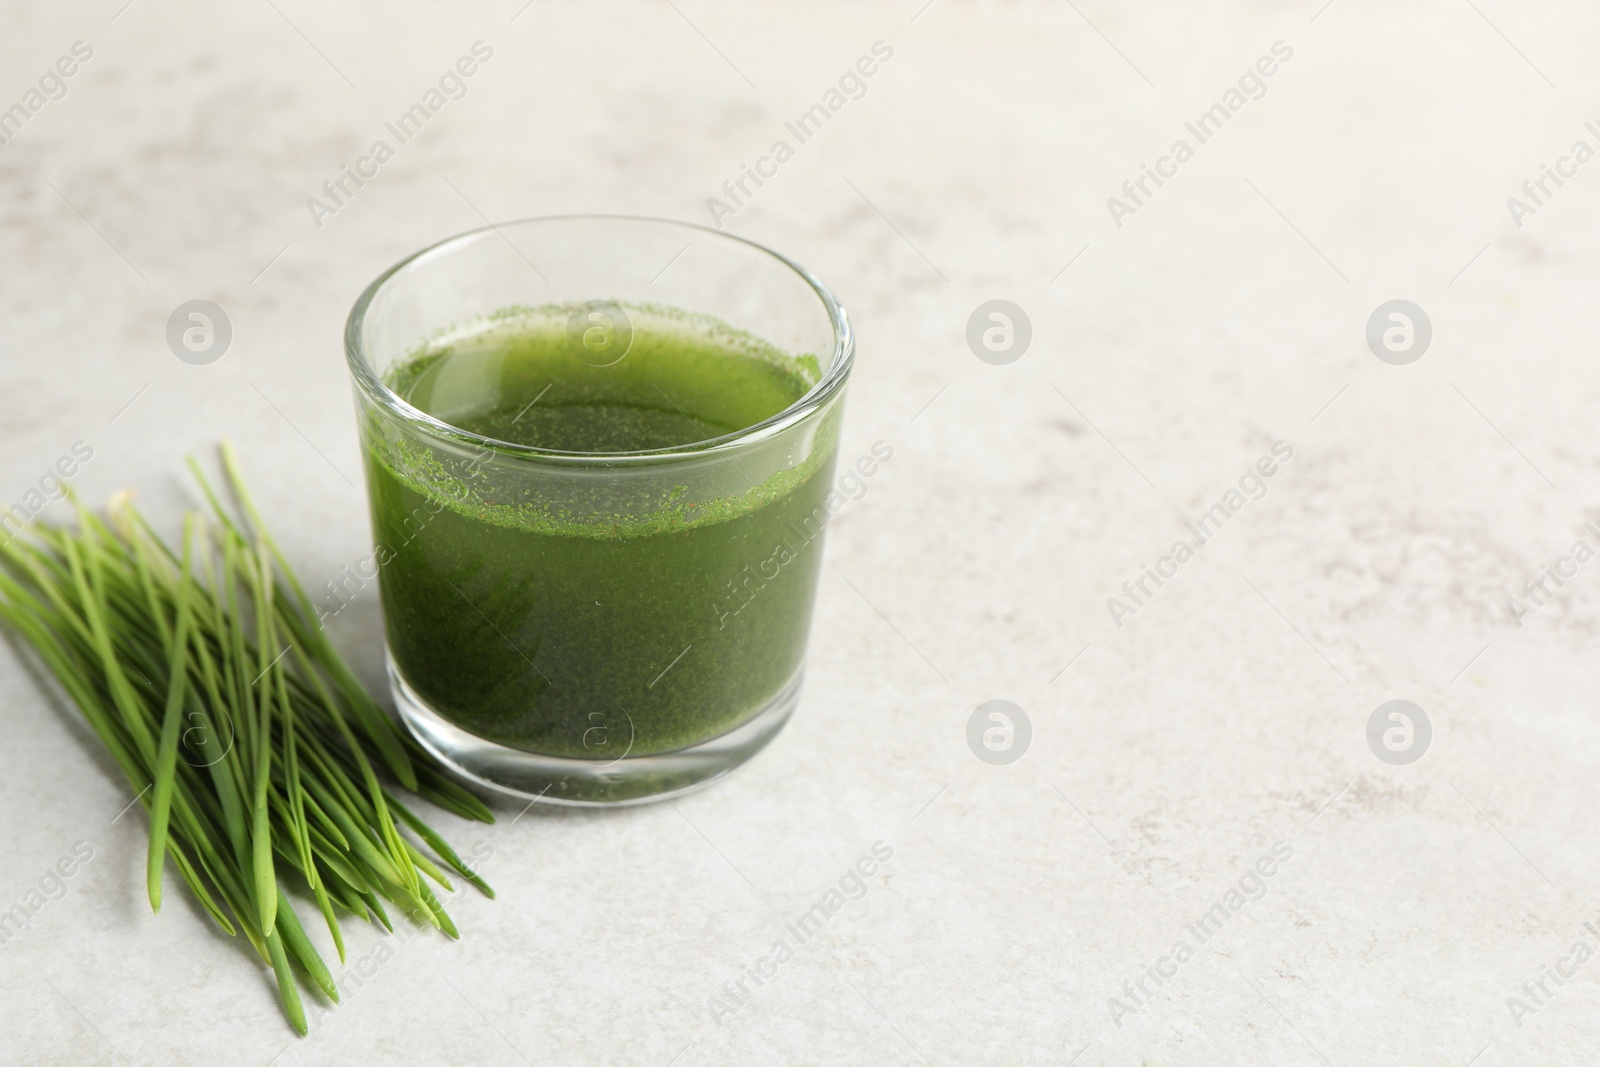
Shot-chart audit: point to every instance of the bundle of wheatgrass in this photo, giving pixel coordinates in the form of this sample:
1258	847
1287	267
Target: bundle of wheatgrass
251	744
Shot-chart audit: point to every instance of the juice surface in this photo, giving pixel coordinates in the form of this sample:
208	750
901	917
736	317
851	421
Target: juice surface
521	610
522	382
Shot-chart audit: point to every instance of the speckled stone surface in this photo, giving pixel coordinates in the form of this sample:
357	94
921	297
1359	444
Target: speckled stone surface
1174	341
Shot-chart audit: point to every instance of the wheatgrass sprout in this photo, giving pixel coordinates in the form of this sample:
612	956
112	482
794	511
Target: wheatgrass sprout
248	739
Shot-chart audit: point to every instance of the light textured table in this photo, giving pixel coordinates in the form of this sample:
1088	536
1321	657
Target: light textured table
1226	312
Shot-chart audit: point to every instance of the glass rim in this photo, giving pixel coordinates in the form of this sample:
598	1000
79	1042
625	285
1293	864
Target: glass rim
376	390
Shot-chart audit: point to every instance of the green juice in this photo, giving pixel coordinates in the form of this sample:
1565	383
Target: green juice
583	618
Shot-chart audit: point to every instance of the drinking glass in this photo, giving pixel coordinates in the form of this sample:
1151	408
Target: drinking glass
598	627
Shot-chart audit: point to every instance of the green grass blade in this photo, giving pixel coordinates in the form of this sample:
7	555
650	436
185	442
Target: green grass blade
440	847
440	916
167	755
300	948
288	993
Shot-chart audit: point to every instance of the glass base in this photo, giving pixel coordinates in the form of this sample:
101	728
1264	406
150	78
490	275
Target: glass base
589	783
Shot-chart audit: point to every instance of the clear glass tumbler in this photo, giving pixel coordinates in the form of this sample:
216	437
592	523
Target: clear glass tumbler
598	627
